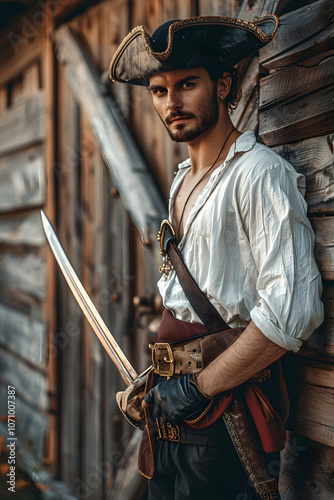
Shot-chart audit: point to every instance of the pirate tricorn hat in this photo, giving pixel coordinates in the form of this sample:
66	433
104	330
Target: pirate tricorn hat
216	43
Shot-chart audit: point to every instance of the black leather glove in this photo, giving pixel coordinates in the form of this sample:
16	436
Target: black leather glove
177	399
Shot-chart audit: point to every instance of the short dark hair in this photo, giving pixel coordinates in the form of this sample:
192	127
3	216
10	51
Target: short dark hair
234	95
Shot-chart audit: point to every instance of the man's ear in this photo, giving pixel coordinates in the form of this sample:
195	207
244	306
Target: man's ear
223	85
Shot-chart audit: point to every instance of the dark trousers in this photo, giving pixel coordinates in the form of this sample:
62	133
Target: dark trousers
211	470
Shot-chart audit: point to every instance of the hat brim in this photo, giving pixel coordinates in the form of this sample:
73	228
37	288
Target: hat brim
219	42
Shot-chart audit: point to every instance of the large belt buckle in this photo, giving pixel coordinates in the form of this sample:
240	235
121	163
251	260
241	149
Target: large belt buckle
159	346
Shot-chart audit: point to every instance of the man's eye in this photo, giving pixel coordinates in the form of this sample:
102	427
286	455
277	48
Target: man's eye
158	92
187	85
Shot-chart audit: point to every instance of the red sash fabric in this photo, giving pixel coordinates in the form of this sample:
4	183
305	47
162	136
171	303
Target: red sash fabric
267	421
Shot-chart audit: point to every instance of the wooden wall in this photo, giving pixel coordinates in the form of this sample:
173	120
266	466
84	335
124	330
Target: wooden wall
26	270
50	158
288	97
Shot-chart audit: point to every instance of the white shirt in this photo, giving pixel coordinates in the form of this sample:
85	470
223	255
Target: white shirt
249	246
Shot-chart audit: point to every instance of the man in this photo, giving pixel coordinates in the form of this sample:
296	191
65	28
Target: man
240	219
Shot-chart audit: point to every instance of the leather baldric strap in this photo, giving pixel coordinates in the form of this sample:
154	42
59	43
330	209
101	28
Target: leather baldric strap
200	303
237	418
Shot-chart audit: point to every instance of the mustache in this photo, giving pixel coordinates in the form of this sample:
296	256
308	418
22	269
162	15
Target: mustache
181	114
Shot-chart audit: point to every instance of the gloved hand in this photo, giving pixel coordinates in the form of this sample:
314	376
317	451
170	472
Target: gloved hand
130	401
177	399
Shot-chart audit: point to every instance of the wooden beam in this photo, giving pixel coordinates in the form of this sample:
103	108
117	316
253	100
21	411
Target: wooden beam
298	119
130	174
21	125
313	158
24	335
298	26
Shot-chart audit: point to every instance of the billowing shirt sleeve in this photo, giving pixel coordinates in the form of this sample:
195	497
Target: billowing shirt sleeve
282	245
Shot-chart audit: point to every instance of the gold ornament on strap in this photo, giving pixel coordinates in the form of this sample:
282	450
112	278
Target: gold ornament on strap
167	266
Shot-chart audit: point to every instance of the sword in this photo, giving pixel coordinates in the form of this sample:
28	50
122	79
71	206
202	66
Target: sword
86	305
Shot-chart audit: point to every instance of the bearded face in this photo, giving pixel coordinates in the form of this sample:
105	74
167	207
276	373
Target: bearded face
186	102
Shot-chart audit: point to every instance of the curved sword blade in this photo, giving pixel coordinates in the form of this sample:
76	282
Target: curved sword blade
125	369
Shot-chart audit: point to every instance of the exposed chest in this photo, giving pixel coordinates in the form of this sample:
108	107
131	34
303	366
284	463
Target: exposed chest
185	199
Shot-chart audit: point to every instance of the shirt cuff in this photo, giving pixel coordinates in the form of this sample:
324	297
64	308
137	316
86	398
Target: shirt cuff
273	333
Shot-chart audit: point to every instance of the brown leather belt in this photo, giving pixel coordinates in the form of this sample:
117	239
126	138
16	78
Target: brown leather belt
175	360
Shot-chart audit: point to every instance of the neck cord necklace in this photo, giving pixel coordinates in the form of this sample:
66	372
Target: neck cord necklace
203	176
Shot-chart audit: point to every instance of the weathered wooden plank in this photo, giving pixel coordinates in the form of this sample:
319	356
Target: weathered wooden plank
309	76
131	176
30	384
316	373
92	243
16	92
256	8
314	158
249	120
328	298
23	335
21	125
31	424
298	119
298	26
48	77
114	26
321	342
22	275
324	245
176	10
31	80
215	8
314	418
22	230
311	388
69	319
3	98
18	52
306	470
320	44
247	84
22	180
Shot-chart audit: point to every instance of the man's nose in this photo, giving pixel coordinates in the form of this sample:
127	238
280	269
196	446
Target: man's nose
173	101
